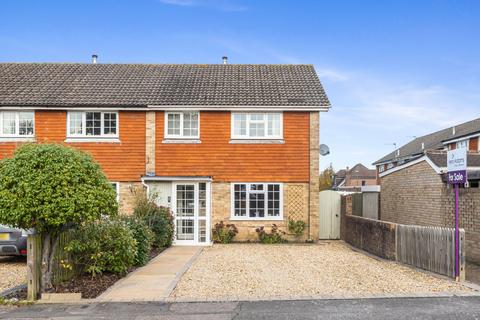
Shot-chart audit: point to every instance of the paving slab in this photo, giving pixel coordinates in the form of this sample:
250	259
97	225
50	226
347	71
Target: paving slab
156	280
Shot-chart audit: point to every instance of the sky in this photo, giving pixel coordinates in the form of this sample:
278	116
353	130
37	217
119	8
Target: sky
393	70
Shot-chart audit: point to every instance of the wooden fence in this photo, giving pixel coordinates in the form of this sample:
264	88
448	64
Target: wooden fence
357	204
430	248
34	261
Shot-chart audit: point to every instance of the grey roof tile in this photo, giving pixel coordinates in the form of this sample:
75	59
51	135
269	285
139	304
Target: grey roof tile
140	85
432	141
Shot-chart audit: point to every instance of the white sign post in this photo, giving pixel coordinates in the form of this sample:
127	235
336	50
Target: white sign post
457	174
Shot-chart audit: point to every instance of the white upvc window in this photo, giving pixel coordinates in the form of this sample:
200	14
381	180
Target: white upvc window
116	187
17	124
182	125
462	144
93	124
257	125
257	201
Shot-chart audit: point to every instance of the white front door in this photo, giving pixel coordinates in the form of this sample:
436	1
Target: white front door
191	208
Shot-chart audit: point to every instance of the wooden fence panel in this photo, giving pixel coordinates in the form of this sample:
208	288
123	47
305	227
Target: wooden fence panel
357	204
430	248
34	262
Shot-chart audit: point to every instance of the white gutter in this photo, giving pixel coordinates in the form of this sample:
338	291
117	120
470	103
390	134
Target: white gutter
178	178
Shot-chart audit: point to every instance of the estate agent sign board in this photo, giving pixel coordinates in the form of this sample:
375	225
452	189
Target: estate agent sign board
457	166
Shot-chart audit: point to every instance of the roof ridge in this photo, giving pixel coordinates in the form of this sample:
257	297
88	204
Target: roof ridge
162	64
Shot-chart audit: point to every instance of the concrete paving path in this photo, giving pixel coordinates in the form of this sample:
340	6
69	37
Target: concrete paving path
156	280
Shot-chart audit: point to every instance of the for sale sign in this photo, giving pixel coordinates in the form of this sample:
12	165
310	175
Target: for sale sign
457	166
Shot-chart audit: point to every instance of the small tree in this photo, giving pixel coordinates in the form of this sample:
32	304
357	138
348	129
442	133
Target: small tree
326	178
48	188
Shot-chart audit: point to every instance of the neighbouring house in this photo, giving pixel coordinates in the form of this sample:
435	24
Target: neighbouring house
233	143
355	178
464	135
415	191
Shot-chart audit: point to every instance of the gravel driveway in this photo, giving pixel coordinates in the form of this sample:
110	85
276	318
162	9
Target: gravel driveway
255	271
13	272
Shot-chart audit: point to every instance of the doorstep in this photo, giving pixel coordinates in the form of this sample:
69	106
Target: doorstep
156	280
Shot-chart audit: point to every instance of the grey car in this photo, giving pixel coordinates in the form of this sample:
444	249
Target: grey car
13	242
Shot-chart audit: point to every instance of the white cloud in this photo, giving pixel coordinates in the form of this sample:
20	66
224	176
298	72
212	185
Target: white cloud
370	112
332	75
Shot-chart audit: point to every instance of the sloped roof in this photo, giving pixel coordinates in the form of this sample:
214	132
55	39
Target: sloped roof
440	159
141	85
432	141
359	171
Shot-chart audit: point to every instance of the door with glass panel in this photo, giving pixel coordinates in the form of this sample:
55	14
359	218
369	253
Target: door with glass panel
191	207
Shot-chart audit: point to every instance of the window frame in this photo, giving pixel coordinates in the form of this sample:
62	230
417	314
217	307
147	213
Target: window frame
249	121
117	189
180	136
102	135
247	208
17	134
465	142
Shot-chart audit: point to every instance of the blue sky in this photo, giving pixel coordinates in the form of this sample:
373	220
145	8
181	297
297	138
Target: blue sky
392	69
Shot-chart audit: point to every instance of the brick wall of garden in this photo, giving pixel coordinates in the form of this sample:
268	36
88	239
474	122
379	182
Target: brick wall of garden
417	195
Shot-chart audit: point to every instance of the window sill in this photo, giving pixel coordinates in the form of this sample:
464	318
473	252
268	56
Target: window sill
257	141
186	141
256	219
89	140
17	139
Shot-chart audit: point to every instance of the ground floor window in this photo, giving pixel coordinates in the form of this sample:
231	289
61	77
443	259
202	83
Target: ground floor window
116	187
262	201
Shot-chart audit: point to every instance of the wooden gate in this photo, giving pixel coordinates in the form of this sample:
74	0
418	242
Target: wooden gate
330	204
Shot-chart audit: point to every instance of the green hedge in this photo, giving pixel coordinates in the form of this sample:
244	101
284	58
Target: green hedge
103	246
143	236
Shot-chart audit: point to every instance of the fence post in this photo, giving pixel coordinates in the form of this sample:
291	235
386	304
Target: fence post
34	255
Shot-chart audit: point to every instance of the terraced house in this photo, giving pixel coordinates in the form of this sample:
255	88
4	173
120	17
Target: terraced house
233	143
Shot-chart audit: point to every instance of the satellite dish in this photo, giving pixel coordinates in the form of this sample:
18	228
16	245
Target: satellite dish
324	150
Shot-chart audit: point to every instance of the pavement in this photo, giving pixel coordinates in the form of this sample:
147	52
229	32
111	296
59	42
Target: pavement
156	280
398	308
473	273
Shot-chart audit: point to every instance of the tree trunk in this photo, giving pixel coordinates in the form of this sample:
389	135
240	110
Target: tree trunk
49	246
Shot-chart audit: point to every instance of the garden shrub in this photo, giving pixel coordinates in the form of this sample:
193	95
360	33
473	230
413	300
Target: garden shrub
158	219
50	188
275	235
224	233
296	227
102	246
143	236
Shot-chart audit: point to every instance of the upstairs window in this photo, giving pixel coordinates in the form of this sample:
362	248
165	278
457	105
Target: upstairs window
462	144
92	124
257	125
17	123
182	125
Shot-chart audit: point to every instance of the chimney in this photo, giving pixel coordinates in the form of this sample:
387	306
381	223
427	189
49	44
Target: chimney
225	59
94	58
423	145
453	131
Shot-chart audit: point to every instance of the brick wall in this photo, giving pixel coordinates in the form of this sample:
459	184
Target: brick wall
469	206
413	196
416	195
374	236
